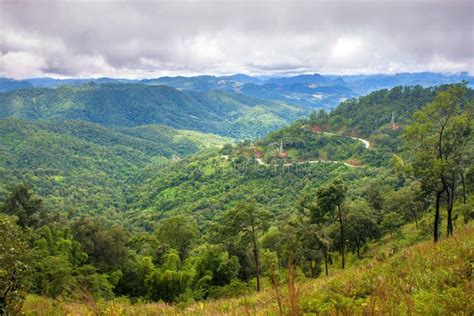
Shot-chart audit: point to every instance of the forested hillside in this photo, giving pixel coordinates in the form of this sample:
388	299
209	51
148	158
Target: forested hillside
127	105
83	167
106	220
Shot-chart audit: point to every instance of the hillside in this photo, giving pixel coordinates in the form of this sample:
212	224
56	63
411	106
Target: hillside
127	105
83	166
123	220
405	283
206	185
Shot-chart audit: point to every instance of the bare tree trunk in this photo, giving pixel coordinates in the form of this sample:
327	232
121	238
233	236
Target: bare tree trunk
255	256
341	224
326	264
449	189
436	219
312	268
463	188
358	248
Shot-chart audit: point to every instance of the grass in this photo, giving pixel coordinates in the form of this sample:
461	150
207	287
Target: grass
422	279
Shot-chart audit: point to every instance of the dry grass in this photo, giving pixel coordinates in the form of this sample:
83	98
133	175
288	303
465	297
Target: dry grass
424	279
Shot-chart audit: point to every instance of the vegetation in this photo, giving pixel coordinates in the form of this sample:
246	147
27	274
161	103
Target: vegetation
128	105
223	223
85	168
423	279
436	144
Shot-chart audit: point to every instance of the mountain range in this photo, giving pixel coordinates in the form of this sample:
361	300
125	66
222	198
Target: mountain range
117	104
307	90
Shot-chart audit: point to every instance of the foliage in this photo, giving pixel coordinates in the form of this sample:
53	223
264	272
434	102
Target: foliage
81	167
424	279
435	144
13	266
128	105
117	227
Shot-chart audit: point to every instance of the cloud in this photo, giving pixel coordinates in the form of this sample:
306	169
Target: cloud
149	39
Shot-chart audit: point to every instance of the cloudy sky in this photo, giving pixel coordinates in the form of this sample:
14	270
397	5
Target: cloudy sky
138	39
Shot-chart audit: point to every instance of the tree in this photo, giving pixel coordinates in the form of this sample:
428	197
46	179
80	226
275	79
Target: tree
14	269
330	206
391	222
360	226
53	276
179	232
106	247
248	220
168	282
407	202
135	273
313	248
214	267
435	143
374	195
313	222
25	206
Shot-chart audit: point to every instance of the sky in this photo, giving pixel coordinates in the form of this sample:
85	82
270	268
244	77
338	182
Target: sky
144	39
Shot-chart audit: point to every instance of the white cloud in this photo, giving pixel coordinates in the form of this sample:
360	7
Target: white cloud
21	64
147	39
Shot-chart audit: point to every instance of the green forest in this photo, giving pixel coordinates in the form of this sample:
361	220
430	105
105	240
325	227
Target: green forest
128	105
127	199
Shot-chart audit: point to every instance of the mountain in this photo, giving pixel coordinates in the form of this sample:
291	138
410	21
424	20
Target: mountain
307	95
364	84
53	83
226	114
10	84
315	79
356	134
124	216
83	166
313	91
309	91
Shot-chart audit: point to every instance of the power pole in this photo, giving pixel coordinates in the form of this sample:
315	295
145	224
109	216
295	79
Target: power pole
393	121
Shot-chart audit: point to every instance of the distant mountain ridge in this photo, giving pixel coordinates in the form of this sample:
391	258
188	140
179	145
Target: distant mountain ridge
11	84
127	105
306	90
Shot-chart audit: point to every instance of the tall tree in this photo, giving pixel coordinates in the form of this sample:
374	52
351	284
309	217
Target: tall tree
180	233
361	226
13	266
330	206
106	247
248	220
435	143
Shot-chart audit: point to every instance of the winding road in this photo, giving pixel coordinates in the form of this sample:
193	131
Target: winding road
364	141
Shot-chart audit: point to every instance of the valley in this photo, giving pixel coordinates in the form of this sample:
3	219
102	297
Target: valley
152	200
208	157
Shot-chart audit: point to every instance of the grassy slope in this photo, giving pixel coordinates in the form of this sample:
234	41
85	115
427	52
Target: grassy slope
422	279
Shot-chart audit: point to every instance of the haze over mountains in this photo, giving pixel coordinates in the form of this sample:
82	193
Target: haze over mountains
308	90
